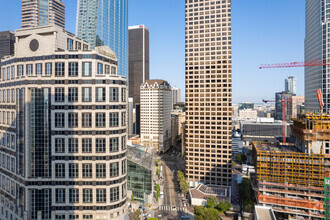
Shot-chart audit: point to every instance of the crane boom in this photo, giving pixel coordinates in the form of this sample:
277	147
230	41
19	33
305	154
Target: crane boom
321	62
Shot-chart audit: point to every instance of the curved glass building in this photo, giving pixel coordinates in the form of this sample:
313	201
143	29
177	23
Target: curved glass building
105	22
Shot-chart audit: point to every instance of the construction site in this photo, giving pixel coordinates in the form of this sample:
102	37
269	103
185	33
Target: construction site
290	177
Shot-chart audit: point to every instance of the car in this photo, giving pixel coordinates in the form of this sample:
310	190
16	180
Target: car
185	217
184	204
159	216
173	208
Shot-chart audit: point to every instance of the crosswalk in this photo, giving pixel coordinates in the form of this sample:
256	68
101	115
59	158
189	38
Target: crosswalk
169	208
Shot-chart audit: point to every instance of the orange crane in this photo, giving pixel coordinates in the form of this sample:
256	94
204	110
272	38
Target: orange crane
315	62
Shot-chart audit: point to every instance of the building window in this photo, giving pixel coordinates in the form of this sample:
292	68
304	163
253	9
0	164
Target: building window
73	170
87	170
100	170
60	195
87	195
123	167
123	142
29	69
86	94
59	170
100	120
114	119
73	69
113	70
87	145
59	69
101	195
123	118
86	120
48	69
73	120
123	95
114	94
12	72
20	71
73	95
12	95
114	169
113	144
73	196
59	120
99	69
123	190
100	94
114	194
86	69
100	145
69	44
107	70
39	69
73	145
59	94
59	145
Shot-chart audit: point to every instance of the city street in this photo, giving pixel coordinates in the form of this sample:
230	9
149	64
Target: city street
172	207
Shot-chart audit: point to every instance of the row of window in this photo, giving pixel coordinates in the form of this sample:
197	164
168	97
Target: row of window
8	162
87	119
59	68
89	195
8	185
8	141
87	146
8	118
87	94
86	170
7	95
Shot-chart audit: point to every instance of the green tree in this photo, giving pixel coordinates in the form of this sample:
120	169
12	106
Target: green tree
246	195
206	213
132	198
239	158
157	194
223	206
211	202
152	218
184	186
180	176
136	215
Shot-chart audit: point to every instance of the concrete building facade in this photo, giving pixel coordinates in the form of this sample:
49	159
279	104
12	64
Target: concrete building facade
291	85
208	92
65	157
156	106
37	13
7	43
176	95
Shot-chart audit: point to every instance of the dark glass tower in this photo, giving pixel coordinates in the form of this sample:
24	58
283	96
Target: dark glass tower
104	22
138	58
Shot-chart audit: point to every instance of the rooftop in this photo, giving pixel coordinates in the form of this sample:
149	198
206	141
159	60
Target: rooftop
204	192
139	156
262	146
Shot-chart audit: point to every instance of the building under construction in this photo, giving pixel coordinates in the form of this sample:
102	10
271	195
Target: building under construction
289	181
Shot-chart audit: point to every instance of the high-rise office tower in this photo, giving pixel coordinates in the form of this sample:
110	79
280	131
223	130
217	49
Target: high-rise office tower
63	129
208	92
37	13
105	22
156	106
7	43
176	95
138	59
317	35
290	85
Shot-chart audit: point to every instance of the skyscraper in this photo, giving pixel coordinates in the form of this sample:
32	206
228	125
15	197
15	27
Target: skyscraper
65	157
7	43
138	59
156	106
37	13
105	22
317	37
208	92
176	95
290	85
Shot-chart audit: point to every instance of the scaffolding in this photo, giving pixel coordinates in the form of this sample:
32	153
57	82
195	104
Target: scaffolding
281	164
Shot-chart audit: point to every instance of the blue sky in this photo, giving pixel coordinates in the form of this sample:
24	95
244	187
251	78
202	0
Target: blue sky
263	31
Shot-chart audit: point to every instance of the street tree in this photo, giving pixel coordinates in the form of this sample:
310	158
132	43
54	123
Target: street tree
211	202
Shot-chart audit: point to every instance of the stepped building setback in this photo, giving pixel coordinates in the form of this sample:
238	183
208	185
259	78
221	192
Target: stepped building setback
63	128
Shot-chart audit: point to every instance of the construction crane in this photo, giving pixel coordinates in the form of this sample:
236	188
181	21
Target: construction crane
316	62
284	100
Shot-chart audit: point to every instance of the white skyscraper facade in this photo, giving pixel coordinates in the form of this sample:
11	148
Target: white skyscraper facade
317	47
176	95
63	135
291	85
